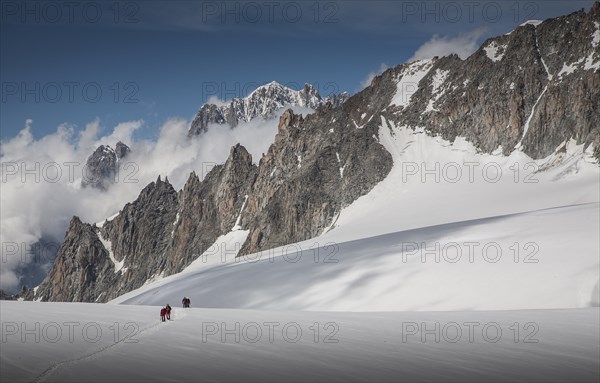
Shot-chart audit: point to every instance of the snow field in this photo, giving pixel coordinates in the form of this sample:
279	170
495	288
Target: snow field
250	345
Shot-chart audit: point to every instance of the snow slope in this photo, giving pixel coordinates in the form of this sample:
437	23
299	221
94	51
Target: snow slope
417	243
408	81
468	266
466	185
201	345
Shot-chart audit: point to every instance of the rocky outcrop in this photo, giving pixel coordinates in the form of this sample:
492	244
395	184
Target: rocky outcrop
210	208
102	167
264	102
159	233
317	166
25	294
139	235
529	90
82	270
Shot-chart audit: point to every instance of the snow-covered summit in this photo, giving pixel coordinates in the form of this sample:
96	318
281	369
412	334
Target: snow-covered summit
264	102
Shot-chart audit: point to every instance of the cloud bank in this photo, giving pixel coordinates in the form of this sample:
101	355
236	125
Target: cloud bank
41	180
463	45
367	81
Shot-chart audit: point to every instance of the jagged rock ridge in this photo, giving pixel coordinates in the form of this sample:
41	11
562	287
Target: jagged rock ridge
530	90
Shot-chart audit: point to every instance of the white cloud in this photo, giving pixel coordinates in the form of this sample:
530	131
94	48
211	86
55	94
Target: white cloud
367	81
89	135
217	101
463	45
40	209
122	132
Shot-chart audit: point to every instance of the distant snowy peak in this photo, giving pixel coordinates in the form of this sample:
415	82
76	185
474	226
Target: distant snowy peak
263	102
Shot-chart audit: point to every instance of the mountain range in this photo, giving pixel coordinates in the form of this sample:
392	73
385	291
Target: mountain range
263	102
530	92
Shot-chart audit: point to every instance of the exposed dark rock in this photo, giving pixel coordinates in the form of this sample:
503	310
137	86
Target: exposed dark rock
543	78
102	167
81	269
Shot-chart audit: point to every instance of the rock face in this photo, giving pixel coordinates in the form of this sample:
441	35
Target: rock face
82	269
140	233
316	166
263	102
159	233
210	208
530	90
102	167
24	294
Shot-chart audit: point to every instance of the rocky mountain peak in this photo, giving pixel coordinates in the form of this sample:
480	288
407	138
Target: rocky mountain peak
238	155
193	179
309	89
289	119
271	89
263	102
75	222
288	122
155	190
529	90
595	10
102	167
121	150
81	268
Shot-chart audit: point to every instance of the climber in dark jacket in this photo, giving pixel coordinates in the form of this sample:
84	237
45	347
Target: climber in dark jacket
163	312
168	309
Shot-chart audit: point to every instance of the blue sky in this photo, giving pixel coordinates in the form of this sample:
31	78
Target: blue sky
153	60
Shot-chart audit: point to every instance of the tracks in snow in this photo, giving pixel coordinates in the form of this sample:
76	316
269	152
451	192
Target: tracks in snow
54	367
